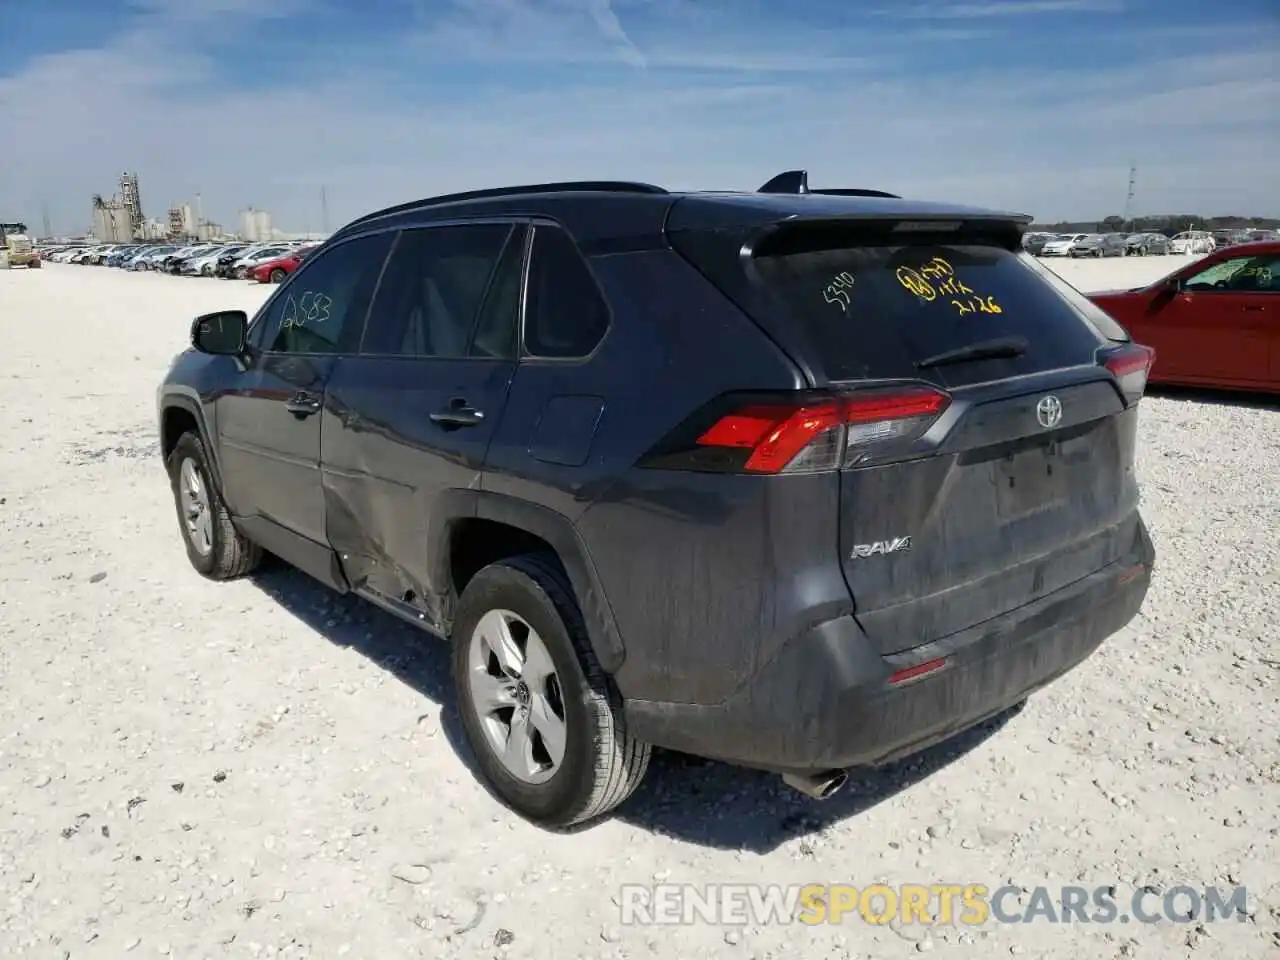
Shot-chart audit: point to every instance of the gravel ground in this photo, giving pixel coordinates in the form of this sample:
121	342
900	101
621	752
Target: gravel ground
262	769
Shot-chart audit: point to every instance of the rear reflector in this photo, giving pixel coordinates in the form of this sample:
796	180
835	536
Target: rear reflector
919	670
1129	574
825	434
1131	365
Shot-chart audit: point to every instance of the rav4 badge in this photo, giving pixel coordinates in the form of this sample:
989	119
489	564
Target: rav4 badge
863	550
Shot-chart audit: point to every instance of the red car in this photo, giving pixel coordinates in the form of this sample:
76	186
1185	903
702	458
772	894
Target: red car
274	271
1213	323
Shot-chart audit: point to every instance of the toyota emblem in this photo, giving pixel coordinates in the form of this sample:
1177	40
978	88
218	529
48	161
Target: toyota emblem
1049	411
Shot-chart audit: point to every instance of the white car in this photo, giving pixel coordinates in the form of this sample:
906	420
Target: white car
1061	247
203	264
261	255
181	257
1193	242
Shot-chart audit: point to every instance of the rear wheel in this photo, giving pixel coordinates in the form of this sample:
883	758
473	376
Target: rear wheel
542	717
214	546
277	275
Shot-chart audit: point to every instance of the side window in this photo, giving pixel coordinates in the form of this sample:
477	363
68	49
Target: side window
1219	276
496	328
1260	275
565	313
323	309
432	289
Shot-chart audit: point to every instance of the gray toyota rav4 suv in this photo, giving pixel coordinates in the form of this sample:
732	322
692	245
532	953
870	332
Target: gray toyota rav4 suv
798	479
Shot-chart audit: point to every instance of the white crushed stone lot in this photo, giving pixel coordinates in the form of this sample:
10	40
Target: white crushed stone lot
261	768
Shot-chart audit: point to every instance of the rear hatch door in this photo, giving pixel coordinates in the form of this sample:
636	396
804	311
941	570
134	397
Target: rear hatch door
1025	481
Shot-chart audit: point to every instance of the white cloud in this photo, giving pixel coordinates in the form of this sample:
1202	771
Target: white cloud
1000	8
611	28
1055	143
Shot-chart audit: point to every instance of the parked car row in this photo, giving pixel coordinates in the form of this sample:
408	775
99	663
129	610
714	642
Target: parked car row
261	262
1095	244
1189	242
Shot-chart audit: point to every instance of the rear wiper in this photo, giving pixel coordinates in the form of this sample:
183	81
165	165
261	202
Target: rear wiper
983	350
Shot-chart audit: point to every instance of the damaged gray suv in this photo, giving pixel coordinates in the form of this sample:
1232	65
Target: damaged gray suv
802	480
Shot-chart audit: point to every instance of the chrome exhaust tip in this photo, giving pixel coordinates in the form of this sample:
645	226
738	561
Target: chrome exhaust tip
819	786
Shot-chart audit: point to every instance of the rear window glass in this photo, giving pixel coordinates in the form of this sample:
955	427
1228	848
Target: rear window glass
876	310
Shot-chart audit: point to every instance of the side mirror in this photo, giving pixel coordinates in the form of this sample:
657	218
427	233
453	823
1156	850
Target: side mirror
221	334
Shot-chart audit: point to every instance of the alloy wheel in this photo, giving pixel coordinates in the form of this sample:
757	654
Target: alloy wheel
196	508
517	696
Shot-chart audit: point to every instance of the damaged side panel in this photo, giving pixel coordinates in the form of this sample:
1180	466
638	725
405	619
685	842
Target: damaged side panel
389	470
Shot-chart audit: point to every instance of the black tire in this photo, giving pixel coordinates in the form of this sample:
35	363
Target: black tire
277	275
603	764
231	555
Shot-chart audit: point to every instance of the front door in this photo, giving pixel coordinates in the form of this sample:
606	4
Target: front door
269	424
1215	327
408	421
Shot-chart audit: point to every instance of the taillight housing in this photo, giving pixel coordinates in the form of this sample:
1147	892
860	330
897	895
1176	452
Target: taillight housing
802	435
1131	366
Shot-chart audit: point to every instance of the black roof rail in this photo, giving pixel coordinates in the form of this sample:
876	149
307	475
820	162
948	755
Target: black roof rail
568	186
797	181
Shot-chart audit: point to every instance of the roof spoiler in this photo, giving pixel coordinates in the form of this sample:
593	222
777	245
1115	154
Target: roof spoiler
797	182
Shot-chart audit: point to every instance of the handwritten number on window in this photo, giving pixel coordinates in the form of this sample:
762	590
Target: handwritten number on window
837	290
311	308
920	282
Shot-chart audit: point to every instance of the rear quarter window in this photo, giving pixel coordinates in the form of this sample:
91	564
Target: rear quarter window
874	310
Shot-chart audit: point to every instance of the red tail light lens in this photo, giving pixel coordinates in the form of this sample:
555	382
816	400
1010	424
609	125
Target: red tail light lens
828	434
1131	365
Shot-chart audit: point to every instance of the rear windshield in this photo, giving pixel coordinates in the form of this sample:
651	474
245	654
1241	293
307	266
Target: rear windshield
876	310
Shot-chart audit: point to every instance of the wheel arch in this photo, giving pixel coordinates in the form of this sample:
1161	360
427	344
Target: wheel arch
179	414
474	528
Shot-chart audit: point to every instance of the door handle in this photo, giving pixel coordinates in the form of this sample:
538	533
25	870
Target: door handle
1254	307
457	414
303	404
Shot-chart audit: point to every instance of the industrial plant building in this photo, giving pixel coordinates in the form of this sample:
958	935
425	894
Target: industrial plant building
120	219
255	225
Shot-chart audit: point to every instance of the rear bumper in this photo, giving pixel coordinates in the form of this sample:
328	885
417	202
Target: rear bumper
826	701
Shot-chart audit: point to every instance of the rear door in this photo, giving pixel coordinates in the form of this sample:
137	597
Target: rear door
1025	484
408	421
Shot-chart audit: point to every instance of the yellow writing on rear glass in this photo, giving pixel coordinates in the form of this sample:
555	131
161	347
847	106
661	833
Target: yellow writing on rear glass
917	284
938	277
837	291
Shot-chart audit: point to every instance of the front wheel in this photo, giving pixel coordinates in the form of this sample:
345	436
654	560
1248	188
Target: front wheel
214	546
542	717
277	275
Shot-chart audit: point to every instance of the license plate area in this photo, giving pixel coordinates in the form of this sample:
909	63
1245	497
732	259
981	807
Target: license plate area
1030	481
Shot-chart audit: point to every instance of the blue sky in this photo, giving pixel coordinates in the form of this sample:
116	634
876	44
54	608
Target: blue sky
1038	105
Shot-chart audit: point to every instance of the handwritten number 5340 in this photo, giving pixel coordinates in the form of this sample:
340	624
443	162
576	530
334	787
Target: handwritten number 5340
837	291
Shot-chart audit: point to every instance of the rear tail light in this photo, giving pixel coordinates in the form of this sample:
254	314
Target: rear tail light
1131	365
806	436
